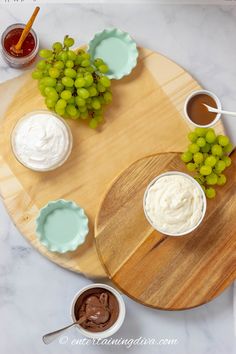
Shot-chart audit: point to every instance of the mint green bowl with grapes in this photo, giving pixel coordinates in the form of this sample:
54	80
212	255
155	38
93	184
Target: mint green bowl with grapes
117	49
62	226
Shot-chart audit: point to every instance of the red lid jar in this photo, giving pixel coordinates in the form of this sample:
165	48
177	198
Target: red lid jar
29	48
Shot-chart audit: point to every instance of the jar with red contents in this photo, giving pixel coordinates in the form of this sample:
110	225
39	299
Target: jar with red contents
30	46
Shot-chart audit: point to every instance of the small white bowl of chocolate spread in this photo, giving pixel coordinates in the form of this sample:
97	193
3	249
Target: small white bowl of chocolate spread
102	308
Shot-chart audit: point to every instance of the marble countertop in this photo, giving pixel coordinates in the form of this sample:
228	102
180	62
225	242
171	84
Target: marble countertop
35	294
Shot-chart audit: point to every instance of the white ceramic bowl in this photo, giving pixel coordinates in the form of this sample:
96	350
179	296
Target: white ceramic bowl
195	183
54	166
212	95
116	326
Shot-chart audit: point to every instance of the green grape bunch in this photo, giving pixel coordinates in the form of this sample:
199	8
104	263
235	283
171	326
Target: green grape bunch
207	157
74	85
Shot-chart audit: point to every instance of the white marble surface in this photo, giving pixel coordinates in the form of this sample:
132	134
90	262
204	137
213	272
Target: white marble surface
35	294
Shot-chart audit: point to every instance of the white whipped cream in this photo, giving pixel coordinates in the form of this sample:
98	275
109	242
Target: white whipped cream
41	141
174	204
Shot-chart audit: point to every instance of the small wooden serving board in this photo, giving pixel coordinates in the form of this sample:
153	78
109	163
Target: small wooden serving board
171	273
144	118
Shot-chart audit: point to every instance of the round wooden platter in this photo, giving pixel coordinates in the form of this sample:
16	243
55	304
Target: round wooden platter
144	118
171	273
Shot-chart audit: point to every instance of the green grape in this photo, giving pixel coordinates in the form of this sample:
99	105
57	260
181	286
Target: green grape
193	148
86	56
223	140
210	137
211	179
51	93
93	123
80	102
69	64
45	53
83	109
63	56
198	157
88	80
201	142
192	136
210	193
186	156
103	68
70	73
68	42
71	101
206	148
200	131
221	179
105	81
72	111
220	166
67	81
50	103
59	65
90	69
61	103
59	110
80	51
205	170
107	97
191	166
83	93
101	100
210	161
79	82
57	47
98	62
54	73
96	104
100	87
59	87
227	160
41	65
42	89
71	55
92	91
49	81
66	95
85	63
78	60
216	150
37	74
228	148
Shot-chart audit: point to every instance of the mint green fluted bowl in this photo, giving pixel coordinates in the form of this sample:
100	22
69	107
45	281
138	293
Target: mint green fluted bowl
117	49
62	226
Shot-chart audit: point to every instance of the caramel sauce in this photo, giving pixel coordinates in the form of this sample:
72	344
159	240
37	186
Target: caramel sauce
197	112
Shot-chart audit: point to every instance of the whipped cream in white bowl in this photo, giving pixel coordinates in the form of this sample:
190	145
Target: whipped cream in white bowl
41	141
174	203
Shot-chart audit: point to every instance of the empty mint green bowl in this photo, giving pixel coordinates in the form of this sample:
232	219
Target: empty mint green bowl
117	49
62	226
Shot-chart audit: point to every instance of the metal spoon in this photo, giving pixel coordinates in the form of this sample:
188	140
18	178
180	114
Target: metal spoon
216	110
50	337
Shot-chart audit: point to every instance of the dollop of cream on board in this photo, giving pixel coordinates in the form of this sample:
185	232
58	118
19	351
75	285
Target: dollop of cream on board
174	204
41	141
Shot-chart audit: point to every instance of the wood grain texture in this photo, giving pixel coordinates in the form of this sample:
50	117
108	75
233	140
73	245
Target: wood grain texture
171	273
145	117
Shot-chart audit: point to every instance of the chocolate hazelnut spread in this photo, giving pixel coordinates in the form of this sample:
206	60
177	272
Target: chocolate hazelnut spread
99	306
197	112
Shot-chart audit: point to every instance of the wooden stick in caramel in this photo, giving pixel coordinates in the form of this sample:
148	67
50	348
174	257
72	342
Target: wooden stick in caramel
17	48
